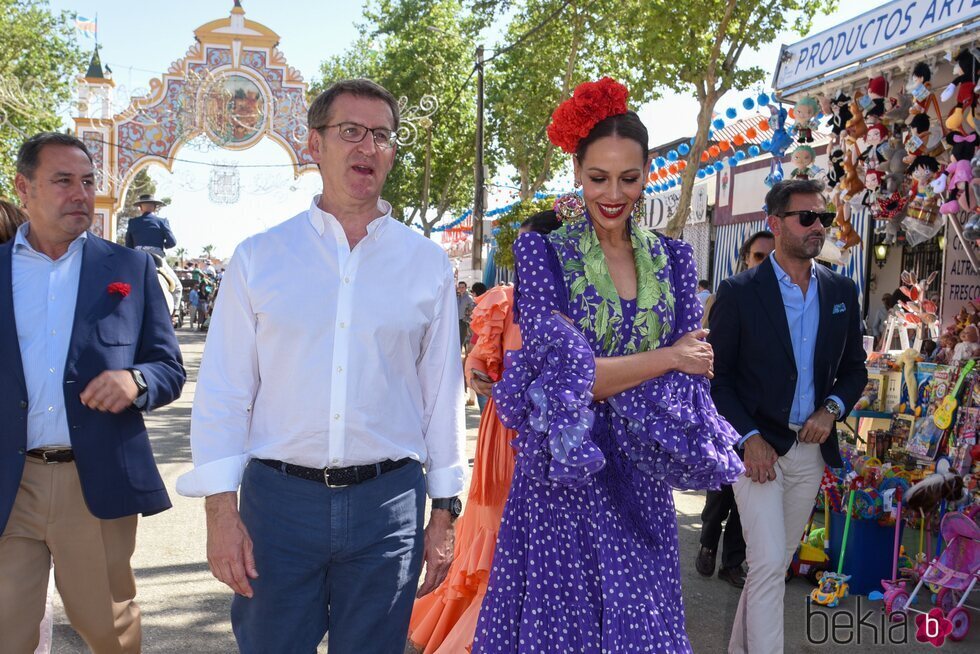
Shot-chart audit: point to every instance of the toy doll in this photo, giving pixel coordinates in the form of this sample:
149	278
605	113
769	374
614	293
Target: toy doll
968	347
924	102
803	167
923	208
874	102
836	172
806	120
873	155
966	67
960	173
924	137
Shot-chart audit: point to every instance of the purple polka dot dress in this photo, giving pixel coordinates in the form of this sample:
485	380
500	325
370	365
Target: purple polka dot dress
586	560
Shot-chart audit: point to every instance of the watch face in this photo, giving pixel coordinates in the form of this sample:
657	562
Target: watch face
456	507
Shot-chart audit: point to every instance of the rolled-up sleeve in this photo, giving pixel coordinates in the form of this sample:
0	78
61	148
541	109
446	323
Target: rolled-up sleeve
226	388
441	378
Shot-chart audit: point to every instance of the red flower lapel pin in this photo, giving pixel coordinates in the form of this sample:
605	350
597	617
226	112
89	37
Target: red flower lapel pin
119	288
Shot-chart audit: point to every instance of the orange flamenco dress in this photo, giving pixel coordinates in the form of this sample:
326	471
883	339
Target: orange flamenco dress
444	621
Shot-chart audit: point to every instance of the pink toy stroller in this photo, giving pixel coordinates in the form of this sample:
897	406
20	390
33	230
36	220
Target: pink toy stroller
955	572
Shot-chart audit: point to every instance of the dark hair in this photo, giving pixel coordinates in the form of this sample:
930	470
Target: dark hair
479	288
778	197
318	115
743	252
704	283
29	155
928	347
628	126
923	160
542	222
889	300
920	123
11	217
464	284
963	150
922	70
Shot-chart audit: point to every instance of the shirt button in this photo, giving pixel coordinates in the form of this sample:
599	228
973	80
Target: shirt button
343	325
336	416
23	404
54	331
334	461
51	370
340	369
50	408
347	280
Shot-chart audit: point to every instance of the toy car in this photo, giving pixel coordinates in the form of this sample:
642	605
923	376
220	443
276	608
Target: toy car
833	588
809	562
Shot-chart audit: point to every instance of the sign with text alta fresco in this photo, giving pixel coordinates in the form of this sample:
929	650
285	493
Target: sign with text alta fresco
876	31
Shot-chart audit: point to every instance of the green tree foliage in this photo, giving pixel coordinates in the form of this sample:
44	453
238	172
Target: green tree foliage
509	223
695	47
39	59
559	44
416	48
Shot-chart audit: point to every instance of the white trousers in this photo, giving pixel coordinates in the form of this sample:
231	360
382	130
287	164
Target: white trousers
773	515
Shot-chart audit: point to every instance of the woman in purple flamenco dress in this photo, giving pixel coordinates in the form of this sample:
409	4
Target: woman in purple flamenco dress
611	401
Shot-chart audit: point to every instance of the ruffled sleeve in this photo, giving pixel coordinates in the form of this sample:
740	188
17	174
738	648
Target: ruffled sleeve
673	431
487	324
546	388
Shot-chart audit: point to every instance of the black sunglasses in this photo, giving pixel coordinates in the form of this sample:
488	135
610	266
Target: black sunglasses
808	217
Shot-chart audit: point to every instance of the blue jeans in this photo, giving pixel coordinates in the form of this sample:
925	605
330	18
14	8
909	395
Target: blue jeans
342	561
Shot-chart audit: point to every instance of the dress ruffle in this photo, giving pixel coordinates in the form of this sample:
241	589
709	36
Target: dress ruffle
488	322
545	395
673	432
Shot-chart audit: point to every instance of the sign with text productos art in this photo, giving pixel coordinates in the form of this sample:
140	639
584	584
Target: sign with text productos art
961	283
876	31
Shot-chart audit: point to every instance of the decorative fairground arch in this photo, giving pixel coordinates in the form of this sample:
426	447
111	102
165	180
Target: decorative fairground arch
233	86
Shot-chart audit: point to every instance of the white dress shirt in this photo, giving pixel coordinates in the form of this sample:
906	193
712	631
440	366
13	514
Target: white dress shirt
323	356
44	292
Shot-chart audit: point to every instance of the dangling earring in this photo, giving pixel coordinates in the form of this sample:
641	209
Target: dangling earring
569	207
577	183
639	211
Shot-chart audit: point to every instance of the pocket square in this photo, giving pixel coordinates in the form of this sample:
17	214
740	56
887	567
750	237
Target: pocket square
839	308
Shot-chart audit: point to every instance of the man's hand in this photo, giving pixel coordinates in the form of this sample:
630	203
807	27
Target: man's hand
817	427
230	554
438	554
760	460
113	391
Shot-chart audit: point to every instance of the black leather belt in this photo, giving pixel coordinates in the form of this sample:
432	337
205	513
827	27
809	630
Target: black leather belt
337	477
64	455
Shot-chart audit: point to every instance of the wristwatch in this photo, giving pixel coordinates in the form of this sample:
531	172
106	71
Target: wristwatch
833	408
452	504
141	386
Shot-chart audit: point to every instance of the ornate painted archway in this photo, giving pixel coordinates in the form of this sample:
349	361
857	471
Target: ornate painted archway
233	85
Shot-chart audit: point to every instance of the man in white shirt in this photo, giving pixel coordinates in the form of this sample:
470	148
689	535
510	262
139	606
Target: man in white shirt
324	391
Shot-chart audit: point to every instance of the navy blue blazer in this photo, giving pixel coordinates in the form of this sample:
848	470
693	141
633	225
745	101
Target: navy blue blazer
755	371
112	451
149	230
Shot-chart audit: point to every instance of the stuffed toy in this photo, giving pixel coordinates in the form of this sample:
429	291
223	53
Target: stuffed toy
874	154
966	68
855	127
923	207
924	102
968	347
840	112
803	166
926	495
874	103
806	111
924	137
869	198
971	229
960	174
779	142
836	172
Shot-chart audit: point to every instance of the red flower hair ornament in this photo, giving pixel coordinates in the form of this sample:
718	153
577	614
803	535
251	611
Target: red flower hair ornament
591	102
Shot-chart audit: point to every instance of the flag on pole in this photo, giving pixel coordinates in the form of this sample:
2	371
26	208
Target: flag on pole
87	27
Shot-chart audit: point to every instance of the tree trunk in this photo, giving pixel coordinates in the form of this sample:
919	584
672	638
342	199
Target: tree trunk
688	177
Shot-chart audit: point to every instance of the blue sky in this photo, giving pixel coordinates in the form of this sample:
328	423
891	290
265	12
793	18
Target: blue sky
140	40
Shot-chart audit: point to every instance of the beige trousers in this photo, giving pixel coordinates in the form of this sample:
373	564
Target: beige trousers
773	515
91	564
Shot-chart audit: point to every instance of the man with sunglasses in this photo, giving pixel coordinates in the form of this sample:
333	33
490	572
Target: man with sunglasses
323	393
789	364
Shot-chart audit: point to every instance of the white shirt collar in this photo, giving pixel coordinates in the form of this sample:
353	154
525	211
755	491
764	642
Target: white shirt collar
20	240
320	219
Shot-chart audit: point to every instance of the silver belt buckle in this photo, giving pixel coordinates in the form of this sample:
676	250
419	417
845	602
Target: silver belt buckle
326	480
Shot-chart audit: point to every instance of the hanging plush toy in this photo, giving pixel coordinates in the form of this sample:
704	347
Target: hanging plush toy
873	104
922	215
869	198
874	154
836	172
803	166
806	120
892	199
840	113
855	127
779	142
924	102
924	137
960	174
927	494
966	67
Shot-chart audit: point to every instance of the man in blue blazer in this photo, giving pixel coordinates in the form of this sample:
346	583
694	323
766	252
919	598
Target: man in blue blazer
149	231
789	364
86	345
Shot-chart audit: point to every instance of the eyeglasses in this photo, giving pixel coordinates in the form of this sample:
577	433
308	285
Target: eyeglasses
354	133
758	256
807	217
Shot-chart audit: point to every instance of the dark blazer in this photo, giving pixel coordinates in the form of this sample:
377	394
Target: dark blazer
112	451
149	230
755	371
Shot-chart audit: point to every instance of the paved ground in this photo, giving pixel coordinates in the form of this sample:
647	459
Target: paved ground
185	610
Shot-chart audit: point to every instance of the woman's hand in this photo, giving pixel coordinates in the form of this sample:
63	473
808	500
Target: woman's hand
481	387
693	355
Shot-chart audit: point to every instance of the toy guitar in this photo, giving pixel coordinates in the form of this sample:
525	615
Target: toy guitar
944	414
